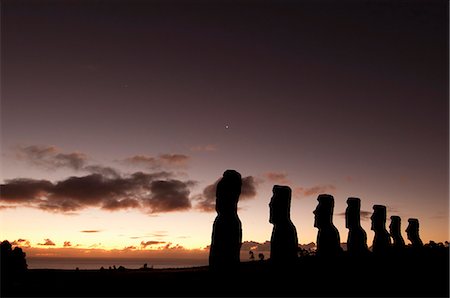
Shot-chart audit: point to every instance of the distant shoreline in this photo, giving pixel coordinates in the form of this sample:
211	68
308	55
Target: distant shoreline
95	263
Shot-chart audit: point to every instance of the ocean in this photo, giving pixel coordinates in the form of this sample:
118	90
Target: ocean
97	263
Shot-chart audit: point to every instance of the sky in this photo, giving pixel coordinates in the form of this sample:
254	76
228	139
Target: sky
118	117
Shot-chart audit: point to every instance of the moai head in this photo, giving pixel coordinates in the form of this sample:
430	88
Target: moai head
352	213
394	226
412	231
323	215
378	218
280	204
228	192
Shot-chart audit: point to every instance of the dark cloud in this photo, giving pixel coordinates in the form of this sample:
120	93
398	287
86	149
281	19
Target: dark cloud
67	244
90	231
170	160
50	157
47	242
314	190
207	200
169	195
130	248
23	190
144	244
147	191
248	189
277	177
365	215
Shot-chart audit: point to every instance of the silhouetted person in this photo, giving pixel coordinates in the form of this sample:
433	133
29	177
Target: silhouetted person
328	240
395	231
382	239
252	255
357	237
412	232
284	241
227	232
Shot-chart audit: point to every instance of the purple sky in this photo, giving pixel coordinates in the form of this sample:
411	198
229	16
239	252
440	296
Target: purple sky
352	94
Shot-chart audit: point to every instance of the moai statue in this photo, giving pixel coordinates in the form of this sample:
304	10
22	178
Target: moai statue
382	239
412	232
357	237
395	231
328	240
284	241
227	231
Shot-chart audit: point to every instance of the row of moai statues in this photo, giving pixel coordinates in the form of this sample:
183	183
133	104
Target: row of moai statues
328	242
227	229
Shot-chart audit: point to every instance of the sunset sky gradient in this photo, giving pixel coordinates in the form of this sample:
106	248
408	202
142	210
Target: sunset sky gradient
117	117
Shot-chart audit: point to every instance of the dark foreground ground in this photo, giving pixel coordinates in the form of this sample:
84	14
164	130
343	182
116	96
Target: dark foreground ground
405	275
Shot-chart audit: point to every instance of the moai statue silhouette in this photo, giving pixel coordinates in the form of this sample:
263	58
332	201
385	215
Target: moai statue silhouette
395	231
357	237
382	239
412	232
328	240
227	231
284	241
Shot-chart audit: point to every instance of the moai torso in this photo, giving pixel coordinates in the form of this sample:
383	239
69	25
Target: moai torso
395	231
227	231
328	240
357	237
412	232
382	239
284	241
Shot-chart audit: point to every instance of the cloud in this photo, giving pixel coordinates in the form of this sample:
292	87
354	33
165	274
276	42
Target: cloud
169	160
21	242
255	246
150	192
207	200
174	159
314	190
130	247
4	207
50	157
204	148
144	244
90	231
169	246
67	244
248	189
277	177
47	242
364	215
159	234
169	195
102	170
22	190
